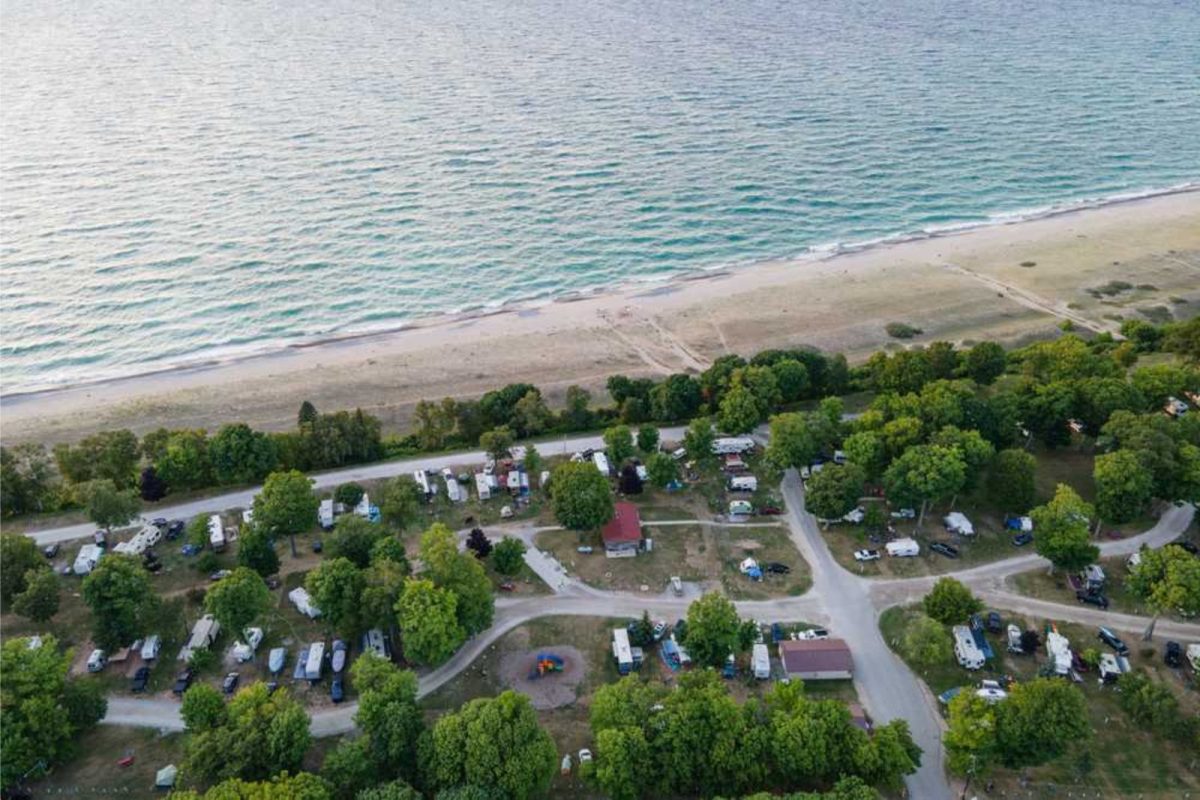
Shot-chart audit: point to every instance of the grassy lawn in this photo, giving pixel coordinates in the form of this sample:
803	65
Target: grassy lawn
1125	761
1054	587
703	554
94	769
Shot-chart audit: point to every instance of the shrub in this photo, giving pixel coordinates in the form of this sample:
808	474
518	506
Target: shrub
902	330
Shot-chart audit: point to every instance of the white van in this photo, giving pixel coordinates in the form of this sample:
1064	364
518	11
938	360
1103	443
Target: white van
743	483
97	661
903	548
151	647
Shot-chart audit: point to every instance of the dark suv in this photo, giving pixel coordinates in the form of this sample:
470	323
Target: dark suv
948	550
1110	639
182	681
1091	598
1174	655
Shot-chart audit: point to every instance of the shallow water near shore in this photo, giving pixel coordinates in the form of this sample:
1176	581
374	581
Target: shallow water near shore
195	182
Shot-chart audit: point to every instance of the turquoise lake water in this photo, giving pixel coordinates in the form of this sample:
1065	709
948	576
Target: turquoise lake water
185	181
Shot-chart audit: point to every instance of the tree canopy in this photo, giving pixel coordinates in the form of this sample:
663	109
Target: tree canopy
122	601
337	586
1060	530
950	602
1168	579
286	505
428	620
834	491
581	496
239	599
712	629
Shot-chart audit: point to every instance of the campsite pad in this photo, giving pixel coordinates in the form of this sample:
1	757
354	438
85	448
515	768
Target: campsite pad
553	689
747	544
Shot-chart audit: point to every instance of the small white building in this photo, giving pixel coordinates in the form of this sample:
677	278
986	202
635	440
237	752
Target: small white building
89	556
965	649
760	662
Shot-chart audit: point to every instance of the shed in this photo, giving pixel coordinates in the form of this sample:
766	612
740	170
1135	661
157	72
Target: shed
623	534
816	659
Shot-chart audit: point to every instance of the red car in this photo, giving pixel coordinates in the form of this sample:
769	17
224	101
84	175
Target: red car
770	511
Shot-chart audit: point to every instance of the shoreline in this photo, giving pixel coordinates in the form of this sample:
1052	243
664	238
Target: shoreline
949	282
657	285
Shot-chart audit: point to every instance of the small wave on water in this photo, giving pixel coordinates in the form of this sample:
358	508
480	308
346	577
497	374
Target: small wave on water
519	155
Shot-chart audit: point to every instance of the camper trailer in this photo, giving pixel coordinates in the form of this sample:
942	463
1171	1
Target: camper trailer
903	548
89	556
315	663
483	486
601	462
1058	648
743	483
957	522
325	514
740	508
373	642
1014	639
204	633
732	444
621	650
455	492
151	646
216	533
965	649
303	602
760	662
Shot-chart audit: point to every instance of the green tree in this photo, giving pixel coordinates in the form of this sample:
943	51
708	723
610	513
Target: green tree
1168	579
1012	480
581	497
396	790
792	378
263	734
494	742
1183	339
899	435
28	481
623	758
256	551
186	462
676	398
40	720
1039	721
497	442
389	716
349	494
662	469
384	581
106	505
122	601
576	416
460	573
353	538
239	599
793	441
434	423
428	620
834	492
508	555
400	502
740	410
976	451
39	601
18	556
1123	486
1158	382
712	629
203	708
286	505
984	362
865	449
927	643
533	461
1046	409
349	769
303	786
647	439
618	442
1099	398
531	416
1151	704
1060	530
107	455
390	548
241	455
923	474
972	747
698	439
337	586
950	602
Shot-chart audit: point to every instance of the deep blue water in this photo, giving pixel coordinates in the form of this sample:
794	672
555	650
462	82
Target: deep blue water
189	180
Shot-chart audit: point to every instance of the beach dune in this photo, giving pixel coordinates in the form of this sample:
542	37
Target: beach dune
1007	283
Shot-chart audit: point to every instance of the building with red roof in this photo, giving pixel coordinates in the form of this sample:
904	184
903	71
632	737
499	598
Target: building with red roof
622	536
816	660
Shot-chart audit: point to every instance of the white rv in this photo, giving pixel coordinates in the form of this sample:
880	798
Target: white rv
216	533
760	662
1014	639
453	490
89	556
621	650
373	643
316	661
151	646
303	602
965	649
204	633
422	479
363	509
743	483
732	444
601	462
1058	647
740	508
325	514
957	522
903	548
483	486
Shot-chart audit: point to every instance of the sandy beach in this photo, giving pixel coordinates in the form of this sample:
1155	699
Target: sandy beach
1008	283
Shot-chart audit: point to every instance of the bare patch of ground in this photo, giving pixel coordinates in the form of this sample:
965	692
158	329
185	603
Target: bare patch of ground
552	690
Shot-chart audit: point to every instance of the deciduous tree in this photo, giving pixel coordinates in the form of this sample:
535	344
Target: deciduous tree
122	602
263	734
927	643
256	550
202	709
1060	530
508	556
865	449
712	629
18	555
286	505
428	620
984	362
461	574
497	442
1123	486
618	442
239	599
354	538
1168	579
39	601
106	505
647	439
400	502
186	462
1011	480
834	491
1039	721
793	442
923	474
581	497
389	716
698	439
337	587
240	454
950	602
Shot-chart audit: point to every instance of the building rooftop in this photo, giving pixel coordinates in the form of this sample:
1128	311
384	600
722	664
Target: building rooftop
819	655
625	526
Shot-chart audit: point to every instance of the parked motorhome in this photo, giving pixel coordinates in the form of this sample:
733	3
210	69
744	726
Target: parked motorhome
601	462
903	548
1014	639
216	533
957	522
315	663
760	662
743	483
453	490
621	650
483	486
965	649
1058	648
373	642
325	514
303	602
732	444
89	556
740	508
151	646
204	633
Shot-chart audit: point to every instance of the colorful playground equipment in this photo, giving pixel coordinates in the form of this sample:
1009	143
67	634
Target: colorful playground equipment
544	664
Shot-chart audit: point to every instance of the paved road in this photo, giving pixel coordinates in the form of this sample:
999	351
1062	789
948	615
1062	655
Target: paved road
388	469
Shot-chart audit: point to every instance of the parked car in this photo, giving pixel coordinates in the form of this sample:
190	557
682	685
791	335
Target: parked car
140	679
317	546
97	661
220	575
337	689
866	555
660	630
1110	639
1091	598
948	550
1022	539
1173	657
905	513
174	529
777	568
340	654
229	685
273	582
585	756
585	549
994	623
51	550
160	523
190	549
813	634
508	586
769	510
182	681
